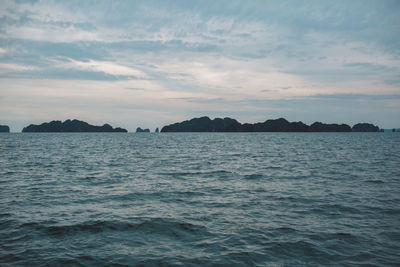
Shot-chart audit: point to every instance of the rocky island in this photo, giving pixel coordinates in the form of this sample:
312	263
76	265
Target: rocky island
70	126
140	130
365	127
205	124
4	129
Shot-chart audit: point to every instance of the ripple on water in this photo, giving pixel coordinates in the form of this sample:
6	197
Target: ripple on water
160	226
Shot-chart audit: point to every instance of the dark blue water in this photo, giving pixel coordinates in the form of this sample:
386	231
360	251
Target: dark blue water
200	199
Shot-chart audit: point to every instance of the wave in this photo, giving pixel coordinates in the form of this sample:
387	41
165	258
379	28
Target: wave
164	195
375	181
196	173
161	226
297	249
320	236
10	258
253	176
334	209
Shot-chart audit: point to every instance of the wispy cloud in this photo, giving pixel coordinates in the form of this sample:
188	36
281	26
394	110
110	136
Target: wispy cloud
106	67
50	33
10	67
357	96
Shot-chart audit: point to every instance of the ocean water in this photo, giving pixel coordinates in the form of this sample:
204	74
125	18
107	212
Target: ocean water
187	199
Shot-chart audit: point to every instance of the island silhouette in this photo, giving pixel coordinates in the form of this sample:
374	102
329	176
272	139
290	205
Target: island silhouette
70	126
205	124
4	129
140	130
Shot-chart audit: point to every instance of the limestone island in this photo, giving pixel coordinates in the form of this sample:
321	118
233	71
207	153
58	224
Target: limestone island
140	130
70	126
4	129
205	124
365	127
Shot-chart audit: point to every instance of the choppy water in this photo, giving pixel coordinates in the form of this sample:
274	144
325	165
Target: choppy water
200	198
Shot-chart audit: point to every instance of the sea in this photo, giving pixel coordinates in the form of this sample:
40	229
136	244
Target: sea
199	199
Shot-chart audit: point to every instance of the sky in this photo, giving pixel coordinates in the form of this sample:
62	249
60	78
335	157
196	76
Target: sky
151	63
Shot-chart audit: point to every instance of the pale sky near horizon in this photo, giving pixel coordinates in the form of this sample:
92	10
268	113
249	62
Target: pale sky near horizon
151	63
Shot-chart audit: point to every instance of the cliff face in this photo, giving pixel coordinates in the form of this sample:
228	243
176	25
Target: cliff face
4	129
70	126
365	127
205	124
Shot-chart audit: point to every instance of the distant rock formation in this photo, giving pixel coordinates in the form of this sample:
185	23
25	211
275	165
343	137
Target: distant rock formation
70	126
322	127
365	127
393	130
205	124
279	125
4	129
140	130
156	131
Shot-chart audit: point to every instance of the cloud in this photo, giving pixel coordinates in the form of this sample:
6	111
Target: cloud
351	97
226	77
200	99
10	67
189	57
135	88
369	67
110	68
51	33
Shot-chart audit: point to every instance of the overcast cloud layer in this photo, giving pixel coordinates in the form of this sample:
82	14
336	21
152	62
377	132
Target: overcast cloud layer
151	63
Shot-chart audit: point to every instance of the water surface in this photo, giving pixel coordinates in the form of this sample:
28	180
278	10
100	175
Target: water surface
200	199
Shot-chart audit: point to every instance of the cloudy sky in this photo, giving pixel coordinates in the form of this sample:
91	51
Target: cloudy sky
151	63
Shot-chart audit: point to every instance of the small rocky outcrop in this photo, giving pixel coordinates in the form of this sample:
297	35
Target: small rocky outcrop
140	130
4	129
365	127
70	126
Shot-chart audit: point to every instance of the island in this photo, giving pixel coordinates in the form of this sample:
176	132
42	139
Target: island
140	130
205	124
365	127
4	129
70	126
322	127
